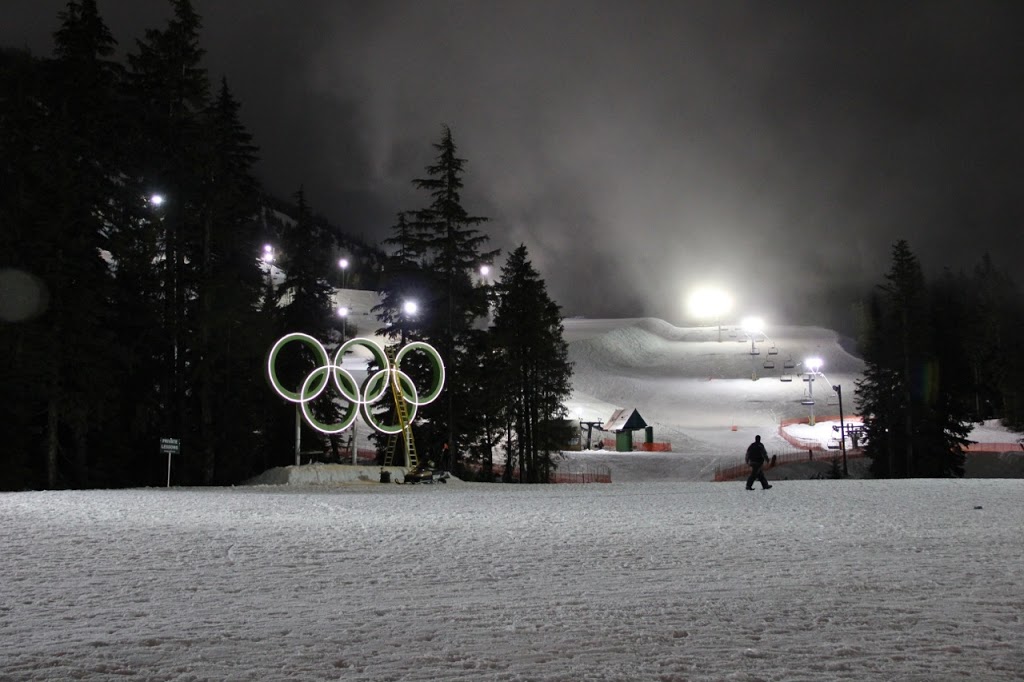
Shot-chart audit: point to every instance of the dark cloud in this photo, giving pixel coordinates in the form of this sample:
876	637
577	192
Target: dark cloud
640	148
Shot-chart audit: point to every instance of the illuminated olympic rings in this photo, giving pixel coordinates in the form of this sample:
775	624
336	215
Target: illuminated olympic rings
359	400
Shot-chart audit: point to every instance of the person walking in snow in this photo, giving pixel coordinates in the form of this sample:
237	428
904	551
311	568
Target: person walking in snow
756	457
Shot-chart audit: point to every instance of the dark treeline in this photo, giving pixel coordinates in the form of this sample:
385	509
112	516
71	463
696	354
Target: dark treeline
137	298
939	355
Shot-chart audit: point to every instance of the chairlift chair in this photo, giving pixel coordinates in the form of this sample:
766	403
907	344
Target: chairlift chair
786	377
773	351
769	364
807	401
789	363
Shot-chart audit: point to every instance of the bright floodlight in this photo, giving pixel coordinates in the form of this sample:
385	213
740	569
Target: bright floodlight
752	325
485	270
709	302
267	248
343	263
157	199
343	311
410	307
813	364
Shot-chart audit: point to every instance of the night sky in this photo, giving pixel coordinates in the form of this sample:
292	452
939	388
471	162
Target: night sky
638	148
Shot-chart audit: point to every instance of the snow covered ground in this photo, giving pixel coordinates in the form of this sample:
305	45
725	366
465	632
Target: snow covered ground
812	580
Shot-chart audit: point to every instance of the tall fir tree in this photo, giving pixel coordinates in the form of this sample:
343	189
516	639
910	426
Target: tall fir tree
171	90
913	416
306	305
440	249
59	140
536	371
229	290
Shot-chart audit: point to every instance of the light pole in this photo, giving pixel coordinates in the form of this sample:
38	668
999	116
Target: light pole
268	258
710	302
752	326
343	314
409	309
813	366
343	264
842	427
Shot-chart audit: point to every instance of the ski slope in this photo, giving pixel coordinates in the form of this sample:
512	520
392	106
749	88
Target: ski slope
709	398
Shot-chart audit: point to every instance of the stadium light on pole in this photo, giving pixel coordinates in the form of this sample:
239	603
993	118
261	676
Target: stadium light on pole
752	326
813	366
409	309
710	303
343	314
343	264
842	427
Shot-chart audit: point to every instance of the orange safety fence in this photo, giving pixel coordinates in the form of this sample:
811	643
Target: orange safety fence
995	447
740	471
657	446
575	473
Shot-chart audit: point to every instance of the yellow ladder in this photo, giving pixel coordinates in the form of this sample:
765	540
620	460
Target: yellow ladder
411	460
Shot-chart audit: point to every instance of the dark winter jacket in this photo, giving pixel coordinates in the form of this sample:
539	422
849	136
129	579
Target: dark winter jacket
756	454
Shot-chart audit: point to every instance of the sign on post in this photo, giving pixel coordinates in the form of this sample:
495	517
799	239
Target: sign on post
172	446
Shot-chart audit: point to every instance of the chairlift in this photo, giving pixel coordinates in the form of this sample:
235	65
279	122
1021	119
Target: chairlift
832	444
786	377
755	351
806	377
769	364
789	363
773	351
807	401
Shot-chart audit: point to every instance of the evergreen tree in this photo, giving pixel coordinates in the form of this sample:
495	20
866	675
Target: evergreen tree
536	373
59	140
228	291
992	331
171	91
913	415
306	306
439	251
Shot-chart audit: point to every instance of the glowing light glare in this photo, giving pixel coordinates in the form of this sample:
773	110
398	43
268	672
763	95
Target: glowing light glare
485	270
410	307
359	402
267	248
343	311
709	302
752	325
343	263
813	364
157	199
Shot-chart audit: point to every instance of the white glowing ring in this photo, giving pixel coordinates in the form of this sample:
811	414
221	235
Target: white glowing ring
358	400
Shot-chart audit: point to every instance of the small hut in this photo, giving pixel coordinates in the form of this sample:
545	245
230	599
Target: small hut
623	423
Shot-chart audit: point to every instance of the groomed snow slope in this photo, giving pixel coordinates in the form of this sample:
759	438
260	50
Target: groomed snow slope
709	398
812	581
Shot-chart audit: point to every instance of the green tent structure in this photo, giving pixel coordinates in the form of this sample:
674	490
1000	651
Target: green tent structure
623	423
